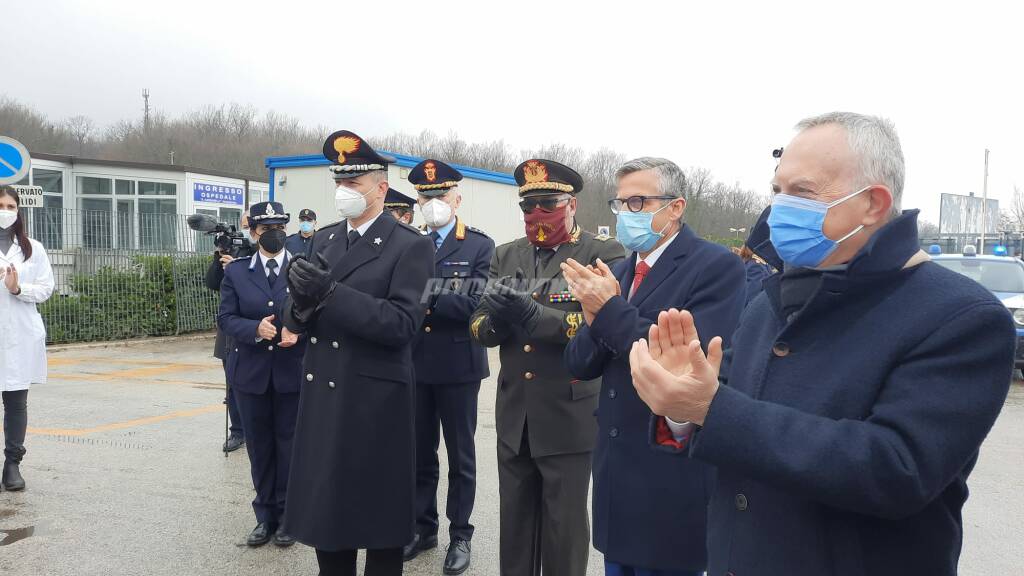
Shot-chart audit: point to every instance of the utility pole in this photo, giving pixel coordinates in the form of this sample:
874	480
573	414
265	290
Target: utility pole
984	204
145	110
171	154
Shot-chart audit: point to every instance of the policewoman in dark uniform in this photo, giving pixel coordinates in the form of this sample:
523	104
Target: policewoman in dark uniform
399	205
449	365
360	300
545	418
265	366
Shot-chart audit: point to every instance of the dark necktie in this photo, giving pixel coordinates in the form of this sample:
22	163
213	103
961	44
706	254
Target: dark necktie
353	236
271	275
434	237
543	256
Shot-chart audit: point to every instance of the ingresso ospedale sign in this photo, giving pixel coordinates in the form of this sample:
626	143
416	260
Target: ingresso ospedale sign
218	194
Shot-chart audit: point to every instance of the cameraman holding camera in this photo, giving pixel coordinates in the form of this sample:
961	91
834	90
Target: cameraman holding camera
228	249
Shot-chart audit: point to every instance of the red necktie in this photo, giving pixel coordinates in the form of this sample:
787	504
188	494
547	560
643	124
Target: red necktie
641	272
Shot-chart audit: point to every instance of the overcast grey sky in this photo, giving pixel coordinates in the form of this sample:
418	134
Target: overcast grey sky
714	84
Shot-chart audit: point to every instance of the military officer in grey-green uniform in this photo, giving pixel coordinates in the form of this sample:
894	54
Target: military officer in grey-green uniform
545	418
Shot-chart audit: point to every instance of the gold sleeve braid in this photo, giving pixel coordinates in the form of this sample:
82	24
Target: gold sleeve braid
475	326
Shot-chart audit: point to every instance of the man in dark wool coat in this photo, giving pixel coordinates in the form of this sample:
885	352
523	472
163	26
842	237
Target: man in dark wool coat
358	299
847	415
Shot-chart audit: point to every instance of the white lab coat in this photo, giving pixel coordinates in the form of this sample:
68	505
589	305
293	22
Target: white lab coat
22	335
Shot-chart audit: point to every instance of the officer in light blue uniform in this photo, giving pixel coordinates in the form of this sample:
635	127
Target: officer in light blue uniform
265	365
449	365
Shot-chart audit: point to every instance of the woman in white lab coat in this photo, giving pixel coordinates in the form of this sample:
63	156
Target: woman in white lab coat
27	280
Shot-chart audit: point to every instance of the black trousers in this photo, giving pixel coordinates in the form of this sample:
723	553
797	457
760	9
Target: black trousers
15	424
235	426
269	421
453	409
544	520
383	562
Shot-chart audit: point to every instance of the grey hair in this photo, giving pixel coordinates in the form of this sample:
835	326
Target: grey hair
877	146
671	180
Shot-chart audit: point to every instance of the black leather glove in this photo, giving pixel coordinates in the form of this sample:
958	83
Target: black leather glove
309	282
511	305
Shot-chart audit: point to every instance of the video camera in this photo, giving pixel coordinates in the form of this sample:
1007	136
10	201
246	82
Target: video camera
227	239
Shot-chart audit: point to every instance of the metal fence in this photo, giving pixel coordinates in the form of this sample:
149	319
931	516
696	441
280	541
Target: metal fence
123	275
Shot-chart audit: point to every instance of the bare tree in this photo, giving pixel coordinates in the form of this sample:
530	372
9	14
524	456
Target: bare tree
80	129
927	229
1015	215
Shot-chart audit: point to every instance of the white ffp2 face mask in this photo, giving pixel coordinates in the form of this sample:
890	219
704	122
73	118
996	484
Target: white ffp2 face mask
7	218
436	213
349	203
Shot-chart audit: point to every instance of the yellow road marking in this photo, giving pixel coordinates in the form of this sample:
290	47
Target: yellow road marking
62	361
128	423
132	373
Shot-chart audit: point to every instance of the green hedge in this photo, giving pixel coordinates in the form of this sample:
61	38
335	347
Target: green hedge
140	300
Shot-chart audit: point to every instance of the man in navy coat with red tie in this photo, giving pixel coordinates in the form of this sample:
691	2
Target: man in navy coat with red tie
649	509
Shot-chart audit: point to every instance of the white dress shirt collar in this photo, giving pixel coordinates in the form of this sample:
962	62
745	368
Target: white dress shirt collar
366	225
657	252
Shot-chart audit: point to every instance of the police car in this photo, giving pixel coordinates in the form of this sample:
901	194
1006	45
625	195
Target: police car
1002	275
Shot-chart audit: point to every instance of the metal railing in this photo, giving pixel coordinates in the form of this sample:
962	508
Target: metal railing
123	275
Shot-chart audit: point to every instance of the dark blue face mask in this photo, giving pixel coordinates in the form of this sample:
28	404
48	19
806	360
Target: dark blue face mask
797	233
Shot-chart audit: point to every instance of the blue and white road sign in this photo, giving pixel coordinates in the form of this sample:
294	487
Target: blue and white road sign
14	161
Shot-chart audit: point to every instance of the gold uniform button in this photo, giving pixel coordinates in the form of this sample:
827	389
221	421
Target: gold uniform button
535	295
428	312
527	348
312	340
309	377
271	303
781	349
334	344
330	385
528	375
427	329
270	347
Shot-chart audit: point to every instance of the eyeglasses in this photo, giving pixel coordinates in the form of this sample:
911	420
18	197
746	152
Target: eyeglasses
634	203
545	203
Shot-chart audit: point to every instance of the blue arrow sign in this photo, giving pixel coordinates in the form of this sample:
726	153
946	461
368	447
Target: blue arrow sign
14	160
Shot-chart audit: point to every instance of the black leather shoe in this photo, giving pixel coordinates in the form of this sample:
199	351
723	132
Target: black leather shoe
261	534
419	544
282	540
234	442
12	480
457	559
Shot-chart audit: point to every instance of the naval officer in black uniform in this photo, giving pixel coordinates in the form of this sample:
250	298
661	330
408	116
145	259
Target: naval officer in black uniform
264	366
360	299
545	417
449	365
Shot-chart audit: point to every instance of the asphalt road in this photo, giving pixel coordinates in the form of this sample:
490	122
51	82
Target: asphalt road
125	476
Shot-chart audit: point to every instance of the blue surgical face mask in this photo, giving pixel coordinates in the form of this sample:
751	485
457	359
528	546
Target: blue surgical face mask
633	229
306	227
796	229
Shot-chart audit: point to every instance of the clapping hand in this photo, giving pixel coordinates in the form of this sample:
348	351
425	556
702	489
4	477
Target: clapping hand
670	372
511	305
266	329
592	285
11	280
288	338
309	281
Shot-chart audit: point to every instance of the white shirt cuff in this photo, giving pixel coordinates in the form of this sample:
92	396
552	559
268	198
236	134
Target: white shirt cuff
680	431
